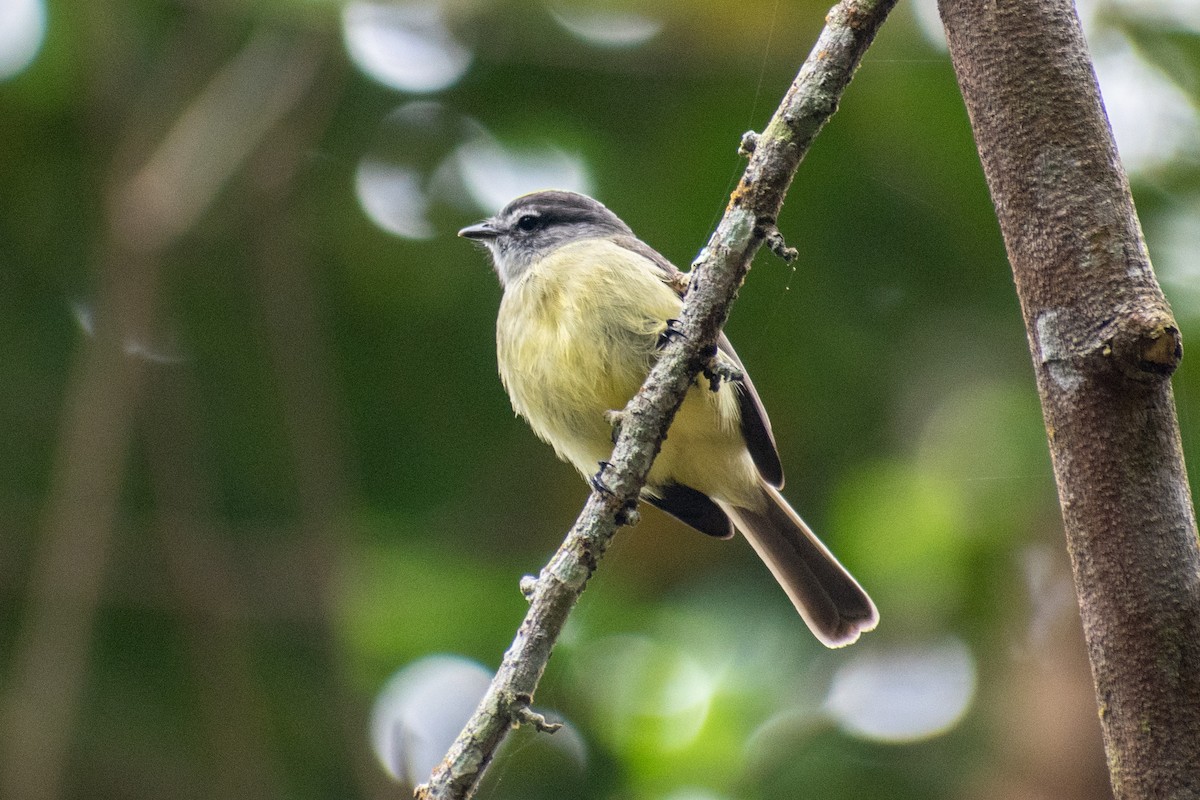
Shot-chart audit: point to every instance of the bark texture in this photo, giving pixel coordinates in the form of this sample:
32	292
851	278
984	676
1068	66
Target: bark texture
1104	344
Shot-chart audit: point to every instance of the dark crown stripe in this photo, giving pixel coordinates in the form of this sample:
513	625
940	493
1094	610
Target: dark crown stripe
563	207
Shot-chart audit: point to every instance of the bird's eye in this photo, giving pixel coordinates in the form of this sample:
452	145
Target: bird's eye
527	222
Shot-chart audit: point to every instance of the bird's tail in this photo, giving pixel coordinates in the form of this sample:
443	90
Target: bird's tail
828	598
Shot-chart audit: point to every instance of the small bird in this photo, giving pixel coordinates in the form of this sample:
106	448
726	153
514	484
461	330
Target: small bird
586	310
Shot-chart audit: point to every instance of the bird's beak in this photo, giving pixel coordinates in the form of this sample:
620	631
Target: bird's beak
480	231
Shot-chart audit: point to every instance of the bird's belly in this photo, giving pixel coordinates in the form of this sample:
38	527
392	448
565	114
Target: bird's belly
568	408
576	340
564	374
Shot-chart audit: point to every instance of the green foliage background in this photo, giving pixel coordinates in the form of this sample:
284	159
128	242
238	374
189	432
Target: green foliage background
321	479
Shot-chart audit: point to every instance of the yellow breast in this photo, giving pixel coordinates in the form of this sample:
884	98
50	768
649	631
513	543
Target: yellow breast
576	337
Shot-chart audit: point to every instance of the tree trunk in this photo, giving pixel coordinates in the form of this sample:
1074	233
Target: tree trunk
1104	344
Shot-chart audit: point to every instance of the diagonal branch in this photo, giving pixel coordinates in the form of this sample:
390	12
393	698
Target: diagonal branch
749	220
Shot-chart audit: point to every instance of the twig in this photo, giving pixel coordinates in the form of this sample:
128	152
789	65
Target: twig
716	275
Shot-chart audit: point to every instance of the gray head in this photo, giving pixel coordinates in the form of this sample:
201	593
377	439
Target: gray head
534	225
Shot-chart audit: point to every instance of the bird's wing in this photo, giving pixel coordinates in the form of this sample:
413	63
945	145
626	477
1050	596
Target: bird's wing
690	507
756	426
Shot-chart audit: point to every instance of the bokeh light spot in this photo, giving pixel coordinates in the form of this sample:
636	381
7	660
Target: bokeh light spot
1153	121
903	695
395	180
406	47
22	31
427	157
392	197
494	174
928	577
605	26
1175	259
421	710
652	696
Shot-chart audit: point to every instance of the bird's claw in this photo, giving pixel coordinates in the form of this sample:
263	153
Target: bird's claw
672	331
628	515
597	480
719	371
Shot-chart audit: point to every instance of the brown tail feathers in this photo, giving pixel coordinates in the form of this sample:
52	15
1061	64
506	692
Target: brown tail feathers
828	598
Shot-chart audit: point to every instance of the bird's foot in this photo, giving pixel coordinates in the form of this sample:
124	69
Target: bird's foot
719	371
627	515
670	332
597	480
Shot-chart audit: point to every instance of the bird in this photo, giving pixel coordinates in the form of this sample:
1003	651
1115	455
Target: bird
586	309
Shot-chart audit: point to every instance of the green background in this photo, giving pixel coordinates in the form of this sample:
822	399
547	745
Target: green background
315	477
